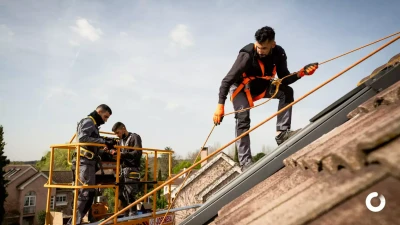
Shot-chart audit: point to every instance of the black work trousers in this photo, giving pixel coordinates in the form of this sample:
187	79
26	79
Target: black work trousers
284	119
128	192
87	174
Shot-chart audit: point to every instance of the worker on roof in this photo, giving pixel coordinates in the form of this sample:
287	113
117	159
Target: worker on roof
250	79
130	166
88	132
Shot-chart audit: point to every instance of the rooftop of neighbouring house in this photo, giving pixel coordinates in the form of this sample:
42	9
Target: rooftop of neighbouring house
327	182
12	171
60	177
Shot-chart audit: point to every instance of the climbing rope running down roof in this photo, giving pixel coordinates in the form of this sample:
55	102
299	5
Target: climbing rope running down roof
277	83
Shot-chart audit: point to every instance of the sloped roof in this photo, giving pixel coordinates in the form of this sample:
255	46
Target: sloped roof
178	181
60	177
392	62
12	172
31	179
327	182
195	174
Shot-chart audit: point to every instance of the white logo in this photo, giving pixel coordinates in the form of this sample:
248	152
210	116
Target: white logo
370	206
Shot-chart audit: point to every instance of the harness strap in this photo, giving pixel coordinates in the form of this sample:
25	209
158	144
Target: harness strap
100	165
86	153
94	121
246	81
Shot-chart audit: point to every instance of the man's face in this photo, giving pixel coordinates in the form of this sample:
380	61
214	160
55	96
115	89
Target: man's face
264	48
104	115
119	132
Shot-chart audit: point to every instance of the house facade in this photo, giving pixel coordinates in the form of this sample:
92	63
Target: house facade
176	184
27	196
203	183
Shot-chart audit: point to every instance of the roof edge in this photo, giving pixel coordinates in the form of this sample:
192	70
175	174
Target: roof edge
26	183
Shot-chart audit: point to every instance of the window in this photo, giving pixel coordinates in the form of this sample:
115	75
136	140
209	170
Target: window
61	199
30	199
30	203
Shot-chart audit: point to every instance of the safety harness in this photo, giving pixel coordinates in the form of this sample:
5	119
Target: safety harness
89	154
246	84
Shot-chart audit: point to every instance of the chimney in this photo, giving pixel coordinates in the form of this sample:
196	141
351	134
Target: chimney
204	154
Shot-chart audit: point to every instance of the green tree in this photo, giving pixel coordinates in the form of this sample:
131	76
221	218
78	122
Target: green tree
159	179
267	149
180	166
163	163
161	202
109	193
258	156
60	161
192	157
41	217
199	165
3	162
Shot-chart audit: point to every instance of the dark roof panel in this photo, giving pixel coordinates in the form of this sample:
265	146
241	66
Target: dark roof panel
327	181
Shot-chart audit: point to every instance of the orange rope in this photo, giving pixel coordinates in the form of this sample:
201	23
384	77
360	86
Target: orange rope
277	83
247	132
187	176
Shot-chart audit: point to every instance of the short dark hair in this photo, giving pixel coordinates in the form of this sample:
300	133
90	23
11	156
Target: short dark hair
117	126
105	108
265	34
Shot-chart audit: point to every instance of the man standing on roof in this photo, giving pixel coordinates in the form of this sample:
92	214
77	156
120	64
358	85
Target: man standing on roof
88	132
130	166
249	80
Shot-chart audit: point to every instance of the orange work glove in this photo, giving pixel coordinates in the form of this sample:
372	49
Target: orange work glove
219	114
308	69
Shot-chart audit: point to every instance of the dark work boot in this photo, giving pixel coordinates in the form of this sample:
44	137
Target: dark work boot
284	135
246	166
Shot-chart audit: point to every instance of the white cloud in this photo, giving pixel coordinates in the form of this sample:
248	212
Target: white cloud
73	43
100	94
76	57
145	97
171	106
5	33
181	36
86	30
123	80
57	91
127	79
123	34
60	91
154	117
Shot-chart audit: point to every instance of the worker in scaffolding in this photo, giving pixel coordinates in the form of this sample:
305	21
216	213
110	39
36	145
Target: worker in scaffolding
88	132
250	79
130	166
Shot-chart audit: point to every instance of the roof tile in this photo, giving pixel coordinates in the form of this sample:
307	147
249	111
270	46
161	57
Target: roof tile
337	172
394	59
387	156
343	147
257	191
354	212
290	183
388	96
60	177
320	196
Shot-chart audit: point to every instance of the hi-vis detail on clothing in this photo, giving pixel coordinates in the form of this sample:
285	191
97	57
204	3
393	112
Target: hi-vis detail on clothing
153	209
246	83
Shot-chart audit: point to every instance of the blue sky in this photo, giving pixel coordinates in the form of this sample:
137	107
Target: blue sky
159	64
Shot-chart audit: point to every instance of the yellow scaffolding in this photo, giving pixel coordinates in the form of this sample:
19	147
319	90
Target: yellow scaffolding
77	184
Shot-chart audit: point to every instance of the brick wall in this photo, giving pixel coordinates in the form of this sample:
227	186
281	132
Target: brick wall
41	196
13	199
186	197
